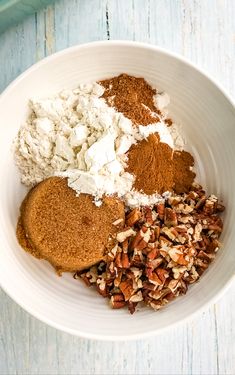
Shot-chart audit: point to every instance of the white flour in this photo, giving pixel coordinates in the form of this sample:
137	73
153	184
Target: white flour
77	135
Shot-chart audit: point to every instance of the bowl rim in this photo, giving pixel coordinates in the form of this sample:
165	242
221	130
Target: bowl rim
131	44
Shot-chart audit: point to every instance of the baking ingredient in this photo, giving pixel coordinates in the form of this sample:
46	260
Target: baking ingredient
158	168
160	252
75	134
143	105
183	174
72	130
150	162
134	198
68	231
132	96
161	101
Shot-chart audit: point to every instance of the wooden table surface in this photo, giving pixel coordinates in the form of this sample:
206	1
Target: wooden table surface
203	31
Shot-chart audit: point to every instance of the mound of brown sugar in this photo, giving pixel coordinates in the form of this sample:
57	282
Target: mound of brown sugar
133	97
68	231
158	168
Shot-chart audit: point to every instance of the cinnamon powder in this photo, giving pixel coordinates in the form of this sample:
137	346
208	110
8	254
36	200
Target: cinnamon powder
133	97
158	168
149	160
183	175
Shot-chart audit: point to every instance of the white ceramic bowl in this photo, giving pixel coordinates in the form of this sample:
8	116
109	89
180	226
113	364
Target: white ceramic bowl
208	119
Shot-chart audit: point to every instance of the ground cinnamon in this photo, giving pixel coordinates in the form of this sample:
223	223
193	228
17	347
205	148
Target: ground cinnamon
133	97
148	160
158	168
183	175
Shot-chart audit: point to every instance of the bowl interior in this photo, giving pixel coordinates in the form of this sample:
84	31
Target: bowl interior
207	118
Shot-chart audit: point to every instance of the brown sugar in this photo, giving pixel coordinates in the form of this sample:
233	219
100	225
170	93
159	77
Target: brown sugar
68	231
158	168
132	96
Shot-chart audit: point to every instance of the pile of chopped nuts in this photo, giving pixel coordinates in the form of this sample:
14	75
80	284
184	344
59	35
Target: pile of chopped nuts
160	251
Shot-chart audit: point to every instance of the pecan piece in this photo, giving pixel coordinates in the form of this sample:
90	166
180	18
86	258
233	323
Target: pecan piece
170	217
85	279
210	205
149	216
131	306
157	230
154	278
139	241
153	253
126	288
220	207
125	233
177	255
117	297
200	202
162	274
118	278
137	297
161	210
125	260
133	217
117	301
102	287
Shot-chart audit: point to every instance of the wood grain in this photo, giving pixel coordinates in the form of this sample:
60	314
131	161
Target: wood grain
203	31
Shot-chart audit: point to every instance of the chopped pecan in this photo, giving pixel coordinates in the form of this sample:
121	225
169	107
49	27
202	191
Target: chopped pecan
155	263
85	279
124	234
173	285
220	207
170	217
149	216
210	205
102	287
158	294
160	252
118	260
126	288
157	230
117	297
118	278
169	232
161	210
200	202
152	253
148	286
125	260
177	254
137	261
162	274
155	279
131	306
133	217
117	304
138	241
137	297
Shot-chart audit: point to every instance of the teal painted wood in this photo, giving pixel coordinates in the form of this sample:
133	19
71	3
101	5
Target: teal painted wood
203	31
14	11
